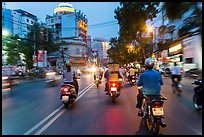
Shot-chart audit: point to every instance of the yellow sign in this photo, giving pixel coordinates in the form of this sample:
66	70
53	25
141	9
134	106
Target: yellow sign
175	48
64	9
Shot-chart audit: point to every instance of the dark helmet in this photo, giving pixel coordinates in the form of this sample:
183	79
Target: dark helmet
149	63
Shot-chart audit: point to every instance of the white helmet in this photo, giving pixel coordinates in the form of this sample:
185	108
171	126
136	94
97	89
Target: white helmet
149	63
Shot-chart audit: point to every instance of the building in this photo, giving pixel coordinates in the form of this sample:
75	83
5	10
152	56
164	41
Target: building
7	20
69	28
99	47
166	33
22	22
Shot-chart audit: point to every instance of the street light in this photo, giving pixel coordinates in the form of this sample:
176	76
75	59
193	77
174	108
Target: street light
5	33
153	29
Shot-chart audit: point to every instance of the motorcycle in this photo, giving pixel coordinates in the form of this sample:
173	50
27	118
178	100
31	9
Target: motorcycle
52	78
121	82
198	94
114	90
132	79
97	81
177	87
68	94
153	112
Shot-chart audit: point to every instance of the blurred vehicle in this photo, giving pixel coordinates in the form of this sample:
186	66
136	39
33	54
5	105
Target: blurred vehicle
52	79
193	72
167	72
198	95
6	83
78	71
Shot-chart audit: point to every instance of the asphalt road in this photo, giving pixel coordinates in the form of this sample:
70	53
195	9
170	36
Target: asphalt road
34	108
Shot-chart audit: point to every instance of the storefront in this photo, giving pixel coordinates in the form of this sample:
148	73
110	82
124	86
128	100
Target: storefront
175	54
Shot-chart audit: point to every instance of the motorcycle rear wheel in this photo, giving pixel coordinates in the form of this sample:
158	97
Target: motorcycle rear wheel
155	128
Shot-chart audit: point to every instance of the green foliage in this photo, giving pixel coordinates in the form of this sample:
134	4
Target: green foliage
132	17
12	53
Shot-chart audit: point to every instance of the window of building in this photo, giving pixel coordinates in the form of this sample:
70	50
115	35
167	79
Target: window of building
27	20
32	22
189	60
52	21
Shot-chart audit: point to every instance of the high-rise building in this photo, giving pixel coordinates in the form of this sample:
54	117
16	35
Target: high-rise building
70	27
22	22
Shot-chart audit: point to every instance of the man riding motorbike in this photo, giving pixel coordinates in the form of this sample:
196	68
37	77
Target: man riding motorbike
151	82
175	73
69	77
132	72
106	76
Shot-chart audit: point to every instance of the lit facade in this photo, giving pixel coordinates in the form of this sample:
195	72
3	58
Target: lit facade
70	26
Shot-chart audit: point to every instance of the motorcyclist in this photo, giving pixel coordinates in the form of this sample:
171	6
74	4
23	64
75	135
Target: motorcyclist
151	81
70	76
98	72
106	76
175	73
132	72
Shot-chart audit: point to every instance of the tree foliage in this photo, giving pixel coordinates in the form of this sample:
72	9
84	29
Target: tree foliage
132	17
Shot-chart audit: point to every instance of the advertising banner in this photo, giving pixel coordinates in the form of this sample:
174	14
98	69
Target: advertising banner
40	58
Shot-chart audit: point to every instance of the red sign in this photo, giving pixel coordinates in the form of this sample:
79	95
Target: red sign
35	59
40	56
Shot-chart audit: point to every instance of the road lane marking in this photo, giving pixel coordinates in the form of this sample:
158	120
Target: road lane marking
41	122
59	114
46	118
50	122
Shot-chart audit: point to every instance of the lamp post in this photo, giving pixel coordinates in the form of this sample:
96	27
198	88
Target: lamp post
155	48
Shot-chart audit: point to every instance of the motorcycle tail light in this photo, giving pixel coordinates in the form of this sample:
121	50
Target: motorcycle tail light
157	104
114	84
64	89
133	76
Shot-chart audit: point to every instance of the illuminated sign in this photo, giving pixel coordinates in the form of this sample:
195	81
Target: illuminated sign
64	9
82	25
175	48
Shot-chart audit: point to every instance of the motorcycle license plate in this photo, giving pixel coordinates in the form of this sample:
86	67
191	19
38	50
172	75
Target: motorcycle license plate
65	98
133	80
157	111
113	89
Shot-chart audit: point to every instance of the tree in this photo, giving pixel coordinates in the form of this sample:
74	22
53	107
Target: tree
132	17
12	53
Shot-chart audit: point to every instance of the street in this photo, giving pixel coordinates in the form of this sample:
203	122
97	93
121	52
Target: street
35	109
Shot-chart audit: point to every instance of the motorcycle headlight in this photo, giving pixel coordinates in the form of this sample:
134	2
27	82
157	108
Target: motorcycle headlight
50	73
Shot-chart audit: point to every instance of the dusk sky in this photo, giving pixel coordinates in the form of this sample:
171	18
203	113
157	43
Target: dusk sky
96	13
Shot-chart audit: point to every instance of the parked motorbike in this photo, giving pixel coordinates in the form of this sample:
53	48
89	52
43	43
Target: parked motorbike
177	87
68	94
198	94
153	112
114	90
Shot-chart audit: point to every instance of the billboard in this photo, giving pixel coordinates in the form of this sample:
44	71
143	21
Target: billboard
40	58
68	26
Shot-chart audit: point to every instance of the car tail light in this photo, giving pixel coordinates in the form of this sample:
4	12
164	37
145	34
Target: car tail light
133	76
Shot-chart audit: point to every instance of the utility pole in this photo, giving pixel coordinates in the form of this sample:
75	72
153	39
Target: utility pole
62	52
35	49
